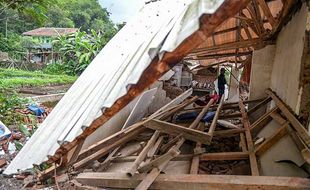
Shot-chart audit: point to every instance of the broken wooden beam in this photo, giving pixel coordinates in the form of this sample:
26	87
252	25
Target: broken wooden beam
197	182
147	182
214	122
173	129
300	129
110	143
172	153
155	136
143	153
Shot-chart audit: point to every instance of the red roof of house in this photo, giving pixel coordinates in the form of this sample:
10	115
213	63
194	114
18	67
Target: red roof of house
50	31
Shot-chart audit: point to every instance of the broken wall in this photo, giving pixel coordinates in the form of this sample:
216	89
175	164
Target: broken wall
285	77
280	66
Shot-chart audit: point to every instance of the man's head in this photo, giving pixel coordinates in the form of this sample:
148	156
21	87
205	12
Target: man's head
222	70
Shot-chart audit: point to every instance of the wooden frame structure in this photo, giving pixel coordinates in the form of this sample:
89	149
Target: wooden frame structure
151	161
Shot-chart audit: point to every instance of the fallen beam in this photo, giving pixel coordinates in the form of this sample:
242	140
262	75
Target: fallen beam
197	182
249	140
173	129
301	130
214	122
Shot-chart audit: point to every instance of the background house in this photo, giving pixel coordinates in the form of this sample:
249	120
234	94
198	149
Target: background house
43	53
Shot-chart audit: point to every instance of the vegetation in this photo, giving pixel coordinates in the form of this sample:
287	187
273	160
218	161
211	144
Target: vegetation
19	16
79	49
12	78
8	104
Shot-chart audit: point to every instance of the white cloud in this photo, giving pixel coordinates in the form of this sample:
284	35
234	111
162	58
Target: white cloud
122	10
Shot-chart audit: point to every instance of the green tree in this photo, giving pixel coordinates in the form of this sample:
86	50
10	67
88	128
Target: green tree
79	49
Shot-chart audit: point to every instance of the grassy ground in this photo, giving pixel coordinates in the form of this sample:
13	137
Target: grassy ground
12	78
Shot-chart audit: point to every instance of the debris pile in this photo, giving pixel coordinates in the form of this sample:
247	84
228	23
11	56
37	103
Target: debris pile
161	150
12	139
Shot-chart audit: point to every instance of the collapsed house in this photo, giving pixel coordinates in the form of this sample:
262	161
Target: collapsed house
116	127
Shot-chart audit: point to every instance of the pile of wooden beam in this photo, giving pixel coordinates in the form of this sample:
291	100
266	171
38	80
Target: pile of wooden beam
160	153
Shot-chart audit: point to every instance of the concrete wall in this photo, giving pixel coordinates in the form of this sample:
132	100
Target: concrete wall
262	64
285	77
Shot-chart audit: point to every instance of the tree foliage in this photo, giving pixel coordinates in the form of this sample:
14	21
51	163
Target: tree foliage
79	49
19	15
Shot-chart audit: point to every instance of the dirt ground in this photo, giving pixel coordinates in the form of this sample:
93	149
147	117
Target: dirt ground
46	90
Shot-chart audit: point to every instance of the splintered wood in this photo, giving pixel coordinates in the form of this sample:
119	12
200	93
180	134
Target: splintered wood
171	151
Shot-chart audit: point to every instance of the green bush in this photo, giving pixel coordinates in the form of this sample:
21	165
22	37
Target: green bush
55	68
8	104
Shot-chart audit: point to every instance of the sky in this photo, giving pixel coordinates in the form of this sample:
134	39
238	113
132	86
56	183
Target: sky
122	10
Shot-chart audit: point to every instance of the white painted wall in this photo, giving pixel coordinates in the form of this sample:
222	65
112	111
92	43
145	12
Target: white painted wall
287	63
279	66
262	64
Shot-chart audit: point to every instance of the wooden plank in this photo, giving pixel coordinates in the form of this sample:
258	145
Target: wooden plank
278	118
116	142
300	129
143	153
224	156
259	105
214	122
182	157
261	149
193	125
262	121
173	129
227	46
228	133
197	182
156	147
196	159
172	153
246	29
155	136
267	12
243	142
249	140
220	55
151	177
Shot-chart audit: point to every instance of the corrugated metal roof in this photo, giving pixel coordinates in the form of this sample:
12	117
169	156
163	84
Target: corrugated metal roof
159	27
50	31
